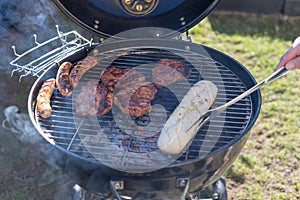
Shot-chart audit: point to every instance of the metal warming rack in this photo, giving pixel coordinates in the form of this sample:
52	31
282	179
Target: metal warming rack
63	45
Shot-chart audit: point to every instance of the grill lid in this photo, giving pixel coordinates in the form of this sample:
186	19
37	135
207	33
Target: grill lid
108	18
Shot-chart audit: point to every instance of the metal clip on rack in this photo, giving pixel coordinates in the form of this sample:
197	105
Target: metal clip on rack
63	45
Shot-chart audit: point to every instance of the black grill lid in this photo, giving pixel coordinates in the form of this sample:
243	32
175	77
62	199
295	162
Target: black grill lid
108	18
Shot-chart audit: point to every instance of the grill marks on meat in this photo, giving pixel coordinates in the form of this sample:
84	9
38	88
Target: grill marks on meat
104	99
97	97
111	76
43	98
130	79
140	101
134	95
93	99
136	101
62	79
169	71
80	68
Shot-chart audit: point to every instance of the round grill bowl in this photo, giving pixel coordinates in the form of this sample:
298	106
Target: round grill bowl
211	153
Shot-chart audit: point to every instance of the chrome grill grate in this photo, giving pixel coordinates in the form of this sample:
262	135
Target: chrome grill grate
63	126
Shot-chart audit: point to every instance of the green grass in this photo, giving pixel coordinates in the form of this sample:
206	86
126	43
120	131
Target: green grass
268	166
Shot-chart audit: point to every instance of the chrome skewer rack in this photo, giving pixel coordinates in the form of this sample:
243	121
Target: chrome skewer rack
63	45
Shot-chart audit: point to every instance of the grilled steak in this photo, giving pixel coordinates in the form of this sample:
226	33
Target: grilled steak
136	101
169	71
130	79
104	99
85	103
111	76
94	99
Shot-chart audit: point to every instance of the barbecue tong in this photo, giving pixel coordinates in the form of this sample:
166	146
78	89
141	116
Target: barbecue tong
212	113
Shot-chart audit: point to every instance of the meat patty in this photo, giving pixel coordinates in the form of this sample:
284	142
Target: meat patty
136	101
169	71
85	102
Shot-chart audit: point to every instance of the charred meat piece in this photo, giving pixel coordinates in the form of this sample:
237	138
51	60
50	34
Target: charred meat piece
111	76
80	68
136	101
169	71
104	99
62	79
94	99
85	102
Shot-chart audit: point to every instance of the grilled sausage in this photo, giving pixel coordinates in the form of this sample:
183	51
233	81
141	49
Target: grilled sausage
174	136
43	98
80	68
62	79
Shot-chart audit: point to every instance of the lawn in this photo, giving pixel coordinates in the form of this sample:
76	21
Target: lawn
268	166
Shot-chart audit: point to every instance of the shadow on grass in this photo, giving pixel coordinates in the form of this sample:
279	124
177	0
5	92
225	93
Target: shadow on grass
234	176
273	26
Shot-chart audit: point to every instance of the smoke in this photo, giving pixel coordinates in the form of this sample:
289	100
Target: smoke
20	124
21	19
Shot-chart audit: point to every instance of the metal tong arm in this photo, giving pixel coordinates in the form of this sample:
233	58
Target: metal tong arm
208	115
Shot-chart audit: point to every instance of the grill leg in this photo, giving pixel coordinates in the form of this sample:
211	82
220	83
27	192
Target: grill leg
216	191
79	193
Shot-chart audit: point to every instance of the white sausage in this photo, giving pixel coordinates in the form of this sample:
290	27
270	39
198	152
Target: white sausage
174	136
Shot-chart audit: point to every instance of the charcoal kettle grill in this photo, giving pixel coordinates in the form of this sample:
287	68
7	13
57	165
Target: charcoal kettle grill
136	34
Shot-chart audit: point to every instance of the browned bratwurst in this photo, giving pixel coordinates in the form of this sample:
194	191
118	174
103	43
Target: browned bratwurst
80	68
62	79
43	98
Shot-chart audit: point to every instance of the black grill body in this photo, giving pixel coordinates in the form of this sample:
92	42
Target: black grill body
198	168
